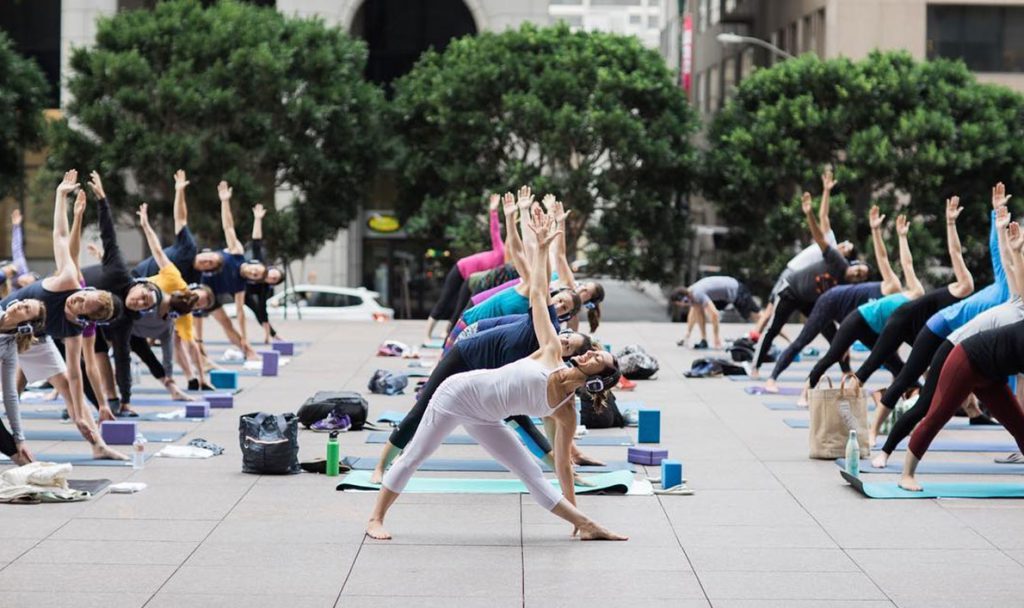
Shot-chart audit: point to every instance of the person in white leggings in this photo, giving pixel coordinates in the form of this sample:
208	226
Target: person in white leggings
539	385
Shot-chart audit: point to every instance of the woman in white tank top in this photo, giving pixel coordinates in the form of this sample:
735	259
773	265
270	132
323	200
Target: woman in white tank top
539	385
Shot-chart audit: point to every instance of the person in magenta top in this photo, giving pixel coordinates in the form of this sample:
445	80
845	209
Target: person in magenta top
484	260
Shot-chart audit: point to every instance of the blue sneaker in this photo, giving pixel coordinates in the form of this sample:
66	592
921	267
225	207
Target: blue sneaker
332	423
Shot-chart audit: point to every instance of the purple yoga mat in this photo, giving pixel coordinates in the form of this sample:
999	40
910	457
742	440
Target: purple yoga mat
783	390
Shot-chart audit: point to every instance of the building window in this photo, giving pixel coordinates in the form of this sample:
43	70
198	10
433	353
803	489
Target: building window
819	33
729	77
715	88
702	15
577	2
715	14
792	41
807	44
636	19
34	28
698	92
653	22
987	38
746	63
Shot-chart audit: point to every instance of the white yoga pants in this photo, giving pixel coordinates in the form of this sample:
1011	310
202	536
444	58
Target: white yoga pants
499	441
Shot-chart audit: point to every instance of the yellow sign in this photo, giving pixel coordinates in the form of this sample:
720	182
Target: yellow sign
383	223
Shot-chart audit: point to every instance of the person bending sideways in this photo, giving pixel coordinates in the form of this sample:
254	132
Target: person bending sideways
979	365
803	288
994	318
539	385
865	323
944	322
705	298
20	322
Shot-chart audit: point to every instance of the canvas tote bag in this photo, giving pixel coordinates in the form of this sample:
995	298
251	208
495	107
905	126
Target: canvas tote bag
834	413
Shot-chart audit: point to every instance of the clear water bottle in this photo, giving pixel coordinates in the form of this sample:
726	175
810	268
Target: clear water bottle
853	454
136	372
139	452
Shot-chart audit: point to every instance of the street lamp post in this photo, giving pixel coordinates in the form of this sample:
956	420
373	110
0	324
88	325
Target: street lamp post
725	38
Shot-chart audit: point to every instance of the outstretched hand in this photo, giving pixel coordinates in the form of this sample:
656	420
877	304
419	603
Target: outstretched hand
953	209
805	203
525	199
827	180
180	181
96	184
79	208
143	214
224	191
69	183
493	202
902	226
95	250
509	204
16	217
999	196
875	217
543	226
1002	218
259	212
1015	236
559	212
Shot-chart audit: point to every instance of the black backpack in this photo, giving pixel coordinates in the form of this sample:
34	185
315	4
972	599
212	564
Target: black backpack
342	403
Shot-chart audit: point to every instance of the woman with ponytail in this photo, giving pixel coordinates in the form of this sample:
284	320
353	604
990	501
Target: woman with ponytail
20	322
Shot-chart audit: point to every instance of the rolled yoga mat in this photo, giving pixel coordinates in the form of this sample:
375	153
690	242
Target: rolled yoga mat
779	406
618	482
53	414
937	489
940	468
381	437
69	435
952	425
487	466
79	460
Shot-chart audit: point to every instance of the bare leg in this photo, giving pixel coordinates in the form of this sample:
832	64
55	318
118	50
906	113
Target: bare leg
881	414
431	323
804	399
588	528
771	386
375	527
387	454
83	420
907	481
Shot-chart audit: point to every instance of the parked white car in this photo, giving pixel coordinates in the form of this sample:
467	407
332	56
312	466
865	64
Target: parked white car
326	302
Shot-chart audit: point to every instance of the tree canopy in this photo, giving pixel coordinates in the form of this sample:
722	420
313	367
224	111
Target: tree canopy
594	118
902	133
23	90
229	91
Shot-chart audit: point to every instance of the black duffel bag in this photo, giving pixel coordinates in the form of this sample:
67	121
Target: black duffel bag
270	443
606	418
342	403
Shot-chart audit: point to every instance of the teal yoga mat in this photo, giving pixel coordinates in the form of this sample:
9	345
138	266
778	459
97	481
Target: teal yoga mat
391	416
53	414
380	437
433	344
618	482
925	467
952	425
78	460
937	489
70	435
487	466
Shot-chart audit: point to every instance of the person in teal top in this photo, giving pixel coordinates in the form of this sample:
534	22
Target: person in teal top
866	323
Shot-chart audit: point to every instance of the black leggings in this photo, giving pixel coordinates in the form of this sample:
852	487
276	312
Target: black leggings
461	303
905	424
853	328
785	306
925	346
449	292
452	364
7	444
815	324
141	347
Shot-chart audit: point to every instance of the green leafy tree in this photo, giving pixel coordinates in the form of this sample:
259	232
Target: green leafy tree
23	90
230	91
594	118
902	133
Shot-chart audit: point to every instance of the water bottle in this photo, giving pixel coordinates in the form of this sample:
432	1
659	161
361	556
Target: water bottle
578	404
136	372
333	454
139	452
853	454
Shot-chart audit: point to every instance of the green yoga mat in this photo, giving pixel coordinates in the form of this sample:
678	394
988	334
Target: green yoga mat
618	482
488	466
952	425
78	460
937	490
895	466
69	435
381	437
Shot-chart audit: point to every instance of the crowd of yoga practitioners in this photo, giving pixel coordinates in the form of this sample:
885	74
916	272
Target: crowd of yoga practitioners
61	328
966	344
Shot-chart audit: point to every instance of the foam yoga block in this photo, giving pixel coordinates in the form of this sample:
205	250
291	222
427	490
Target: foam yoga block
937	489
650	426
648	456
223	400
118	432
271	359
671	473
222	378
197	410
285	348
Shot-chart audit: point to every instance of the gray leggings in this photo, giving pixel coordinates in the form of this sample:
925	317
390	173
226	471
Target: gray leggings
9	378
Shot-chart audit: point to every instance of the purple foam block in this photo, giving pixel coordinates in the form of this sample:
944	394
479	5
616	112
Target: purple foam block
222	400
198	409
118	432
649	456
270	361
285	348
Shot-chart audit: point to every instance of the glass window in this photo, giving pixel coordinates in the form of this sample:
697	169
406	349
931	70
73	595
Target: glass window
714	84
746	63
987	38
34	29
819	33
653	22
636	19
729	77
715	15
702	15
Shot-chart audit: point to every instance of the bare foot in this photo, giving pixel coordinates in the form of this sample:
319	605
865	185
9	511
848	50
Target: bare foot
910	484
771	386
580	458
52	395
106	413
102	451
375	529
597	532
872	437
804	399
378	474
754	372
177	395
579	480
880	460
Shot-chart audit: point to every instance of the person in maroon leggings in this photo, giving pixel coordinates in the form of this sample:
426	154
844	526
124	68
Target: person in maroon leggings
980	365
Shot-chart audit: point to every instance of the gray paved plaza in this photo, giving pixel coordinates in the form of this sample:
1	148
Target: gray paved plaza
766	527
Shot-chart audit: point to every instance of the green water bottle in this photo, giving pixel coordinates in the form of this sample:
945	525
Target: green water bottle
333	454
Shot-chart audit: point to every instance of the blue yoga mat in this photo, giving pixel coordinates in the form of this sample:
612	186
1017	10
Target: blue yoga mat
380	437
786	406
486	466
53	414
617	482
391	416
141	401
229	343
240	372
952	425
78	460
801	378
69	435
785	391
925	467
950	445
937	489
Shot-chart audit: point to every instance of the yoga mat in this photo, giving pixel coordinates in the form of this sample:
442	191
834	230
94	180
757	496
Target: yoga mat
937	489
153	390
69	435
780	406
92	486
925	467
952	425
951	445
240	371
417	373
379	437
489	466
618	482
433	344
229	343
78	460
801	378
391	416
142	401
791	391
51	414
